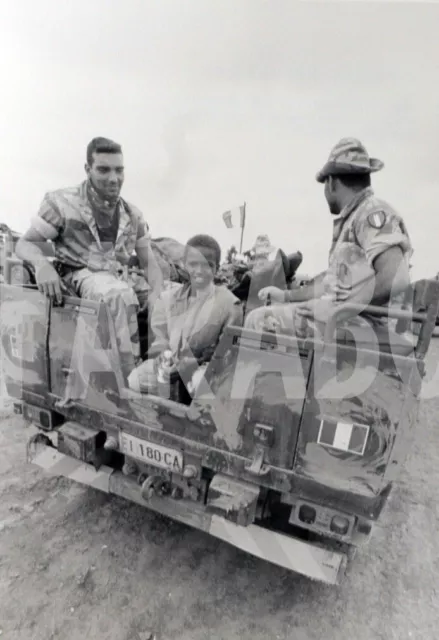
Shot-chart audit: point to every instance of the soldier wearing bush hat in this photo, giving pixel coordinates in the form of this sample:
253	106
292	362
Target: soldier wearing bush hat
349	157
369	252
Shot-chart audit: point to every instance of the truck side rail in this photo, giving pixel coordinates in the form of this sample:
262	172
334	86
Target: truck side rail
427	318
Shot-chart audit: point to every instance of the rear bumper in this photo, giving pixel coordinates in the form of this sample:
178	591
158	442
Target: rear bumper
291	553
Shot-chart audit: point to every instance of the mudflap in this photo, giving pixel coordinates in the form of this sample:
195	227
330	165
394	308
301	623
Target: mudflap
228	497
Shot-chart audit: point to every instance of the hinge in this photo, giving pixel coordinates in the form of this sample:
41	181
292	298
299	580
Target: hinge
257	466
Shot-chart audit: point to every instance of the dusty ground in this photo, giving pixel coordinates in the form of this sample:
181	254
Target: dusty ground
76	564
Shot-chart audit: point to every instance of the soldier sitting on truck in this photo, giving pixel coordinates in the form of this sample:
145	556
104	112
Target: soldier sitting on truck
94	231
368	258
188	319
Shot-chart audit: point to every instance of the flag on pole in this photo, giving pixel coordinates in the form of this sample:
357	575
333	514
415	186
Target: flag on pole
227	217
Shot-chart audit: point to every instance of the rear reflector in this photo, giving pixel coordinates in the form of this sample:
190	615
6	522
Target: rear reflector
322	519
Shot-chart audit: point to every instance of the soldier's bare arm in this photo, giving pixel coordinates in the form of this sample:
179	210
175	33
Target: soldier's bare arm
148	262
391	275
391	278
314	289
47	225
384	238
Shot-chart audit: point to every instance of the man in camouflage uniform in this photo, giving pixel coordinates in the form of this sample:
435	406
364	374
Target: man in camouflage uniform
94	232
368	258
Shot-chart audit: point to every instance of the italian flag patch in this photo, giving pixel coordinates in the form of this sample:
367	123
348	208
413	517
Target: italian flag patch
377	219
344	436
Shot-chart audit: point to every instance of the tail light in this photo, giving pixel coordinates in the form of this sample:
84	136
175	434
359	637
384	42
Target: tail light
340	525
322	519
43	418
307	514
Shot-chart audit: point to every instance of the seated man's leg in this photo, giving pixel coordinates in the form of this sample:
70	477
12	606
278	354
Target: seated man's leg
279	316
143	378
123	305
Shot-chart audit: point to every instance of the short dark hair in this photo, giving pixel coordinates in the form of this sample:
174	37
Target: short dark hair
205	242
101	145
355	181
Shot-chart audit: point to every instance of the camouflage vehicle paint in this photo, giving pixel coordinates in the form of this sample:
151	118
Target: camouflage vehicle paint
260	458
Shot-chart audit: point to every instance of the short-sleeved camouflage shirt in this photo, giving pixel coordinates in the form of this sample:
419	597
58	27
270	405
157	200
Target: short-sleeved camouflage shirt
364	230
66	218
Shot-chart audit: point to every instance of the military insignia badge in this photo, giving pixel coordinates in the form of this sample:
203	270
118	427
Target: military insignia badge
377	220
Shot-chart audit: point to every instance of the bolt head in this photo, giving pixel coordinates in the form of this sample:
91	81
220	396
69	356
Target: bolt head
190	471
111	444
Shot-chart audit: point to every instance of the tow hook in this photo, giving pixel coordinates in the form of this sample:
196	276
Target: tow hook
129	468
153	485
36	442
176	493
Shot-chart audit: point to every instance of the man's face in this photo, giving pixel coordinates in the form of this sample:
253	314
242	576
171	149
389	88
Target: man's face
260	261
331	196
107	173
201	266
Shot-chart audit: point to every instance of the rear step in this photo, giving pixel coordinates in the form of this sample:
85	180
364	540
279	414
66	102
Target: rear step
291	553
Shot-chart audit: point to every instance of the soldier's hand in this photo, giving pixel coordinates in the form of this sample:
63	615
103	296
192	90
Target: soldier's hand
342	291
276	295
169	373
49	282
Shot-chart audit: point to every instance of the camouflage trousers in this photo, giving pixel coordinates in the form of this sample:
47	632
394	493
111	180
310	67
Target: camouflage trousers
368	332
122	303
144	377
283	317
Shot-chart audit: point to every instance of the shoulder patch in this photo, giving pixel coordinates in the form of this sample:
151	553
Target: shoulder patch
377	219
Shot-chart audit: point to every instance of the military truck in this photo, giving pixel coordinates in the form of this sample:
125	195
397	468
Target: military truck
267	456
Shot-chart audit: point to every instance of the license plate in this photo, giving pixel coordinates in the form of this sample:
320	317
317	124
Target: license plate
151	453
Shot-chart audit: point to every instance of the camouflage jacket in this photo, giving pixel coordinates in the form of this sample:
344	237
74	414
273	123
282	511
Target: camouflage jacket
365	229
66	218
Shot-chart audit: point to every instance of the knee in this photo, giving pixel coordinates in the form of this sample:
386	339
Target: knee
254	319
120	296
133	381
143	377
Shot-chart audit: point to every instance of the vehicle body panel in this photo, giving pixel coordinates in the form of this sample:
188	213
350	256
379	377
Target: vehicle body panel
251	383
258	424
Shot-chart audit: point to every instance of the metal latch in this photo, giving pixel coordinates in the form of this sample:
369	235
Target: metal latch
257	466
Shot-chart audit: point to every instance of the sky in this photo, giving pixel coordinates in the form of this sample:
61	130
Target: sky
217	102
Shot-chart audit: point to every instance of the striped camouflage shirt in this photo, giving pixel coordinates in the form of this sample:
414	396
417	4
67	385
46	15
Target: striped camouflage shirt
66	218
366	228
